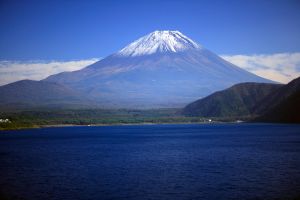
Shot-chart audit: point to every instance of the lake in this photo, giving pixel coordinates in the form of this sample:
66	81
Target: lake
196	161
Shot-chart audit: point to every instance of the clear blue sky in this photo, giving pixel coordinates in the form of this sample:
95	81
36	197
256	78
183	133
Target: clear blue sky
64	30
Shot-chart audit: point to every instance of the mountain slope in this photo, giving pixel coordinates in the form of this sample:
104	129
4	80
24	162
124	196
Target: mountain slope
272	100
282	105
238	100
161	69
288	111
27	93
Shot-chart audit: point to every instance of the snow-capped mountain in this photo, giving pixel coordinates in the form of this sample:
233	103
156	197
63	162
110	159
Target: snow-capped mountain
159	42
161	69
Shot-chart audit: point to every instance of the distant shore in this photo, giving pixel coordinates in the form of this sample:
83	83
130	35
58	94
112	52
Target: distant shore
113	124
122	124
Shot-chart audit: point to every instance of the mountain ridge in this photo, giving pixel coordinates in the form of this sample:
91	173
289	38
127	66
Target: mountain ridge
238	100
260	101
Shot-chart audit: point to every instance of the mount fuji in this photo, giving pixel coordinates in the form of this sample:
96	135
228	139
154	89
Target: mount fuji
161	69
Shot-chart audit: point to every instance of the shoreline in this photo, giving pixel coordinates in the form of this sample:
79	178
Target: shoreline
127	124
133	124
114	124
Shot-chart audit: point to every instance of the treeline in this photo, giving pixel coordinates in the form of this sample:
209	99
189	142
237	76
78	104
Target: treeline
27	119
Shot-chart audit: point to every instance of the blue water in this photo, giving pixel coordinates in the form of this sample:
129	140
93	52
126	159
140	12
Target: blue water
226	161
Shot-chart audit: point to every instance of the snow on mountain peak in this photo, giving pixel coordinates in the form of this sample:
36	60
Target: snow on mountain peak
159	41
